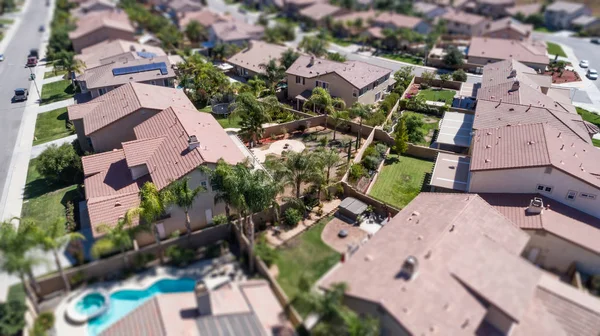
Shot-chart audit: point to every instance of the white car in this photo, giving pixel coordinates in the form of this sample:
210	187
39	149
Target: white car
584	64
592	74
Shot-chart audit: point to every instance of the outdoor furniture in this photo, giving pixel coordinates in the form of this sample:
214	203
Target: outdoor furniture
343	234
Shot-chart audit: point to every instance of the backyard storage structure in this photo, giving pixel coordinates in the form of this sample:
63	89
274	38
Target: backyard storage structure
351	208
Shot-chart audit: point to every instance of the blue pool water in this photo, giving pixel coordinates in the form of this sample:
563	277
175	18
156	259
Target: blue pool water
90	304
124	301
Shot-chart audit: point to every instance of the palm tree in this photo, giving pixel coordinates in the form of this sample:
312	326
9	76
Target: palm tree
180	194
51	238
361	111
329	158
297	168
288	58
314	45
224	184
195	32
14	245
273	74
115	237
153	206
321	101
66	61
253	115
338	118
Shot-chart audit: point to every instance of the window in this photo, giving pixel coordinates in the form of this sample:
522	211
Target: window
363	91
166	83
354	93
548	170
377	96
588	196
544	188
204	185
322	84
571	195
102	91
300	80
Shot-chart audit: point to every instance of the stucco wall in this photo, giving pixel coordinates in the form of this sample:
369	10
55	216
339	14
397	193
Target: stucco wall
111	136
522	181
100	35
81	137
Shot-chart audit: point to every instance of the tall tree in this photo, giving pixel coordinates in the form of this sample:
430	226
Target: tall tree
66	61
360	111
180	194
288	58
329	158
117	237
297	168
195	32
401	137
170	37
320	101
338	118
314	45
273	74
226	184
253	115
51	238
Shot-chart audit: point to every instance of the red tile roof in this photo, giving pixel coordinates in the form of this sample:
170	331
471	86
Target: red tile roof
398	20
503	49
508	22
116	19
463	17
138	151
205	17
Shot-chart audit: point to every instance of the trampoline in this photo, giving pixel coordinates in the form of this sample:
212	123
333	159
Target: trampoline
221	109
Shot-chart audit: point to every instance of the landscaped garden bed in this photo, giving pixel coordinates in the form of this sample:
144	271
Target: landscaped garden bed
361	174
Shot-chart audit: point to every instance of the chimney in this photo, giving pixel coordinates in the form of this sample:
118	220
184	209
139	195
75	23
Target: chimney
409	268
193	142
536	206
515	86
312	61
203	298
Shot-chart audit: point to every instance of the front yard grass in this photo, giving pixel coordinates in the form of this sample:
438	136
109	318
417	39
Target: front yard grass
589	116
555	49
50	74
400	180
57	91
438	95
51	125
304	256
403	58
285	20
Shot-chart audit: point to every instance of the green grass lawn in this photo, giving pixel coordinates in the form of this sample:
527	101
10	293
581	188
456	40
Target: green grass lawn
542	30
6	21
400	180
57	91
16	292
555	49
306	255
51	125
224	122
589	116
596	142
50	74
430	124
405	59
438	95
285	20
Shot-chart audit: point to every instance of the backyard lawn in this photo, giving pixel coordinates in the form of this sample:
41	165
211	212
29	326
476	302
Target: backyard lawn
51	125
57	91
223	121
400	180
306	255
596	142
50	74
438	95
555	49
405	59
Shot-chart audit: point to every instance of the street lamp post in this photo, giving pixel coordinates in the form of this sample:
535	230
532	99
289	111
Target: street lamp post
32	77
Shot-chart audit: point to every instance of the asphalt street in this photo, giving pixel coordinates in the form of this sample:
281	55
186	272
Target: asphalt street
14	75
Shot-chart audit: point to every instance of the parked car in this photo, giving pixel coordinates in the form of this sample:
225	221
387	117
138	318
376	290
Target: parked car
1	57
584	63
42	29
32	61
592	74
20	95
595	41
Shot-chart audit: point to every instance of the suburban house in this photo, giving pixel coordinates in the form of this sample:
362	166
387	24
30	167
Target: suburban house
292	8
560	14
485	50
508	28
525	10
392	20
450	264
429	10
316	13
104	52
104	78
102	124
349	21
204	17
247	307
100	26
463	23
587	23
490	8
352	81
176	8
93	6
167	146
249	62
233	32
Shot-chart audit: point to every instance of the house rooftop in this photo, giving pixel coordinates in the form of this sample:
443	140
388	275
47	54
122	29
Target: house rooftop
365	16
504	49
101	53
257	53
124	100
205	17
115	19
584	20
535	145
180	5
463	17
235	30
357	73
319	11
126	70
565	6
398	20
526	10
508	22
424	7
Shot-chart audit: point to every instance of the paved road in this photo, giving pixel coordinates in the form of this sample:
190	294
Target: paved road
14	75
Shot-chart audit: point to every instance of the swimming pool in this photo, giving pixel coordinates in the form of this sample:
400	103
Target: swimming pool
122	302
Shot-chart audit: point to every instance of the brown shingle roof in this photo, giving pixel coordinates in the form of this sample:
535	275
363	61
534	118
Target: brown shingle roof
463	17
257	53
535	145
398	20
319	11
436	228
116	19
508	22
125	100
503	49
359	74
103	76
205	17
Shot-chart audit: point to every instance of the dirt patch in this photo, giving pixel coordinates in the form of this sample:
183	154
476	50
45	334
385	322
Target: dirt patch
568	76
331	238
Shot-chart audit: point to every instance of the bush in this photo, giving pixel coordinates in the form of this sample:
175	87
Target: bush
77	279
12	317
424	86
291	217
381	149
371	162
356	171
220	219
388	103
370	151
459	75
44	321
60	164
265	252
140	260
302	128
376	118
180	256
323	141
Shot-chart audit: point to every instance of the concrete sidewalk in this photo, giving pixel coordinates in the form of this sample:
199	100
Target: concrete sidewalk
37	150
54	106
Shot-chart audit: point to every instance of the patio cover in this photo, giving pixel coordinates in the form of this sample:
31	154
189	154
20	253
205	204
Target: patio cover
353	205
231	324
456	129
451	172
304	96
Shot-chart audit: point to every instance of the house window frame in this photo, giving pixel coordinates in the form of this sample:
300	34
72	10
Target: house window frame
587	195
544	188
571	195
102	91
354	93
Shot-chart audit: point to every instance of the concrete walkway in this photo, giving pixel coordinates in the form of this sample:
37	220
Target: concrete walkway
37	150
53	79
54	106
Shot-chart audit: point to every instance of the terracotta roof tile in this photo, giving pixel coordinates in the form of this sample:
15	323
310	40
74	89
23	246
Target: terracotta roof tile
508	22
236	30
116	19
257	53
503	49
96	163
205	17
138	151
365	16
398	20
319	11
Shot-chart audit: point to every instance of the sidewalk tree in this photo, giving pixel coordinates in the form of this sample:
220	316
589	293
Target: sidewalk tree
51	238
66	61
459	75
181	194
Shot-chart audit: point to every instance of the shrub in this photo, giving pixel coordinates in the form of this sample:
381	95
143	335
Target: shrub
291	217
376	118
388	103
265	252
180	256
424	86
381	149
60	164
45	321
323	141
76	279
220	219
459	75
12	317
356	171
140	260
370	162
302	128
370	151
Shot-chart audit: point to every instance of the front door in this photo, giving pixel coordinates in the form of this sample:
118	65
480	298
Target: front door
209	216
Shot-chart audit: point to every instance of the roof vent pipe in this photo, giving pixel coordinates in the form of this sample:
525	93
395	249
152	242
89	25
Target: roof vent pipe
312	61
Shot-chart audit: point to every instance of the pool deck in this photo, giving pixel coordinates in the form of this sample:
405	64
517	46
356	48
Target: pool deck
199	270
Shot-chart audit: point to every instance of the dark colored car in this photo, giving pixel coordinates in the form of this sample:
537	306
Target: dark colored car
42	29
595	41
21	95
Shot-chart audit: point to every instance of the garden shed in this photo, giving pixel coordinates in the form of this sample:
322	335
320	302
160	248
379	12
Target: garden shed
351	208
